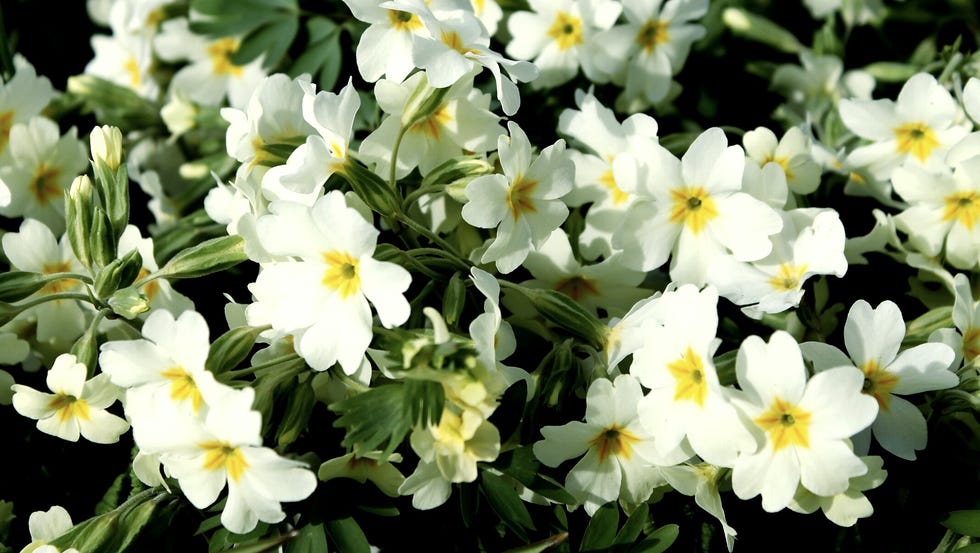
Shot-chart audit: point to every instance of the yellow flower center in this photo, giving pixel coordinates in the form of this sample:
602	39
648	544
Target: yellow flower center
44	185
609	181
783	162
404	21
222	455
60	285
577	287
693	206
519	199
786	424
789	277
454	41
133	70
688	371
221	51
567	30
971	343
6	123
652	34
69	407
183	387
963	207
614	441
878	383
432	125
916	139
342	273
151	288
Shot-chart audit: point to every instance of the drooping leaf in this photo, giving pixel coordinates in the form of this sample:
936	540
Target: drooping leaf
505	501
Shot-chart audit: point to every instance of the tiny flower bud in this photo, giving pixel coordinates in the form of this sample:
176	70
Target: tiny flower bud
128	303
106	143
79	206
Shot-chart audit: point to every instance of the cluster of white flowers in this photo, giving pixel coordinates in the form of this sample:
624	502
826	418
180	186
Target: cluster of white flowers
620	241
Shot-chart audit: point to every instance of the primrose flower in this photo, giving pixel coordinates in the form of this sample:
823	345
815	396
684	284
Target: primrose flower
644	53
168	360
385	47
620	456
524	203
803	426
918	128
791	154
686	398
559	36
209	75
77	406
701	481
965	339
21	98
819	82
43	162
943	212
873	338
320	295
46	526
845	508
125	59
694	209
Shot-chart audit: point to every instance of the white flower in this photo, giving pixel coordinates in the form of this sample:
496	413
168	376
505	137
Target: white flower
209	75
819	82
873	338
385	47
804	426
560	36
524	203
125	59
701	481
943	212
77	406
492	335
21	98
320	296
971	99
46	526
646	51
43	162
965	339
791	154
917	128
685	398
620	456
694	210
845	508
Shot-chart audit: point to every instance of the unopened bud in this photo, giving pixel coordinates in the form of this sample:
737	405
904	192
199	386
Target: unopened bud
106	143
79	206
129	303
205	258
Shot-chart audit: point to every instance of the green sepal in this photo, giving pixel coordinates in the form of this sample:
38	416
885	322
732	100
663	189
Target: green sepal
371	188
113	186
210	256
101	242
454	299
79	210
119	274
17	285
231	348
128	303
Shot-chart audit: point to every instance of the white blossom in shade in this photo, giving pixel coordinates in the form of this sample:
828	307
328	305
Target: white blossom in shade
46	526
168	360
917	128
693	210
321	295
223	448
811	243
873	338
126	60
42	164
819	82
621	458
385	47
324	153
853	13
686	399
595	127
209	74
559	35
77	406
34	248
524	204
455	45
701	481
492	335
845	508
21	98
606	285
791	153
645	52
943	212
489	13
625	335
965	338
971	99
461	123
803	425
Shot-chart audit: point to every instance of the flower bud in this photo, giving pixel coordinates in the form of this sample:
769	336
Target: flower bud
128	303
422	103
374	191
101	242
17	285
456	173
118	274
568	314
79	206
205	258
106	143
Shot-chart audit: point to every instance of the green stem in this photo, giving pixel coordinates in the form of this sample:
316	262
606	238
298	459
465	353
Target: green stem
419	192
55	297
450	251
6	56
70	276
290	358
394	155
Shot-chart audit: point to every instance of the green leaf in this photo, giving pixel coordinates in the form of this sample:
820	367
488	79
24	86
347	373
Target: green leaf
237	17
321	56
972	548
347	536
311	539
231	348
272	40
505	501
634	526
601	531
964	522
521	465
110	499
543	545
658	542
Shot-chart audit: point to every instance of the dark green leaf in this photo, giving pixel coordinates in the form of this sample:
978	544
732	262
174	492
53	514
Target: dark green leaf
347	536
658	542
601	531
521	465
634	526
964	522
110	500
311	539
231	348
272	40
505	501
972	548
